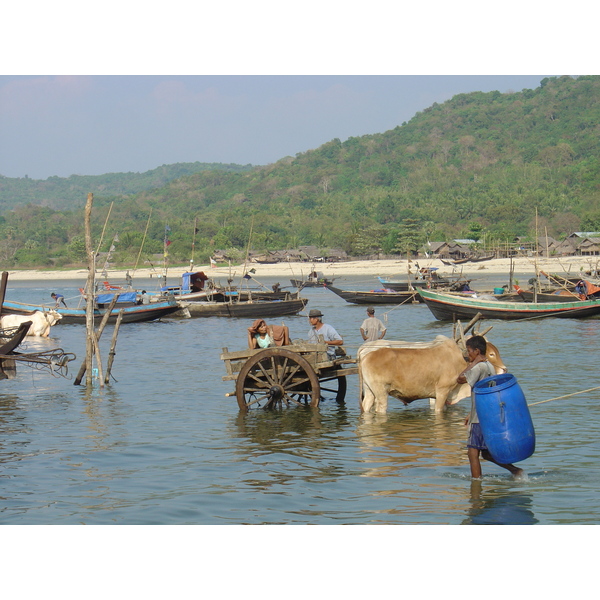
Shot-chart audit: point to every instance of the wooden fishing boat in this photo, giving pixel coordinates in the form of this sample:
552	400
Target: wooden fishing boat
558	296
314	279
12	337
377	296
581	290
448	307
197	287
245	309
136	313
426	277
397	285
481	258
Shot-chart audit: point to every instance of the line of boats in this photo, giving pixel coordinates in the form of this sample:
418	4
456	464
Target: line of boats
447	298
189	299
451	300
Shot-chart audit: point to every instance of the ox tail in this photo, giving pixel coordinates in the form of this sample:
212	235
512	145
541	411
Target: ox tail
361	392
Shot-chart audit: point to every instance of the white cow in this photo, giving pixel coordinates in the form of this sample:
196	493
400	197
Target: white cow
41	322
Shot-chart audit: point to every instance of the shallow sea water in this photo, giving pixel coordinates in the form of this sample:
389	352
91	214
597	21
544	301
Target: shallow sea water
163	445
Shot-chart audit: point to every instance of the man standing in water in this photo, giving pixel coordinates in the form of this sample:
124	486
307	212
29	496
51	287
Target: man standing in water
330	336
372	328
479	368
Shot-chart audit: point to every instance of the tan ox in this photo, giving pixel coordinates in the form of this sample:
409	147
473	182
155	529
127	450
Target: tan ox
409	371
41	322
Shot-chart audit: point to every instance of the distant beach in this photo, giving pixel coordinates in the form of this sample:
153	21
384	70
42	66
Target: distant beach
572	265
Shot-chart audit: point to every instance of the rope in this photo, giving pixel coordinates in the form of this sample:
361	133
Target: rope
387	312
565	396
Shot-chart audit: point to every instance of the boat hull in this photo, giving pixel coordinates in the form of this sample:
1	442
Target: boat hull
131	314
401	286
246	310
376	297
545	297
448	307
298	283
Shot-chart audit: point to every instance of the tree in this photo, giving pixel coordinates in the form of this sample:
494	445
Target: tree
76	249
410	237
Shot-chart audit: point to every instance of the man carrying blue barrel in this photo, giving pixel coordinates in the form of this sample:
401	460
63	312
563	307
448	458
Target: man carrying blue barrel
479	368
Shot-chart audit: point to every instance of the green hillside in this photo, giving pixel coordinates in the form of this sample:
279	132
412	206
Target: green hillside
67	193
479	164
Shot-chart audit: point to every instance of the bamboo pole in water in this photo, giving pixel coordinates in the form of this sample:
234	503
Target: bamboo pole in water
111	352
105	317
89	311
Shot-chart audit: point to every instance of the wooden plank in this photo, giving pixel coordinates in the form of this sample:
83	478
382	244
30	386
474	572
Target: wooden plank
299	348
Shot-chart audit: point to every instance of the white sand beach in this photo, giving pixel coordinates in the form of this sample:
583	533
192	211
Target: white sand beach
573	265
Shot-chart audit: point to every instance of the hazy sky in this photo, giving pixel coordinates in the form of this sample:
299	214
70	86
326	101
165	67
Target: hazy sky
237	82
90	125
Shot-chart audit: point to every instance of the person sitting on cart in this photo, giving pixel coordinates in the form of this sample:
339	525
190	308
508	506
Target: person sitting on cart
261	335
330	336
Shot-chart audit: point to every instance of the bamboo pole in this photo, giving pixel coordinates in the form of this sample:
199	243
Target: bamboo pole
111	352
98	360
193	243
104	229
89	311
105	317
142	246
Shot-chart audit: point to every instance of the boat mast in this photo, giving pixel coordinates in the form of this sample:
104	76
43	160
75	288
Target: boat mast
537	288
194	243
167	243
142	245
247	253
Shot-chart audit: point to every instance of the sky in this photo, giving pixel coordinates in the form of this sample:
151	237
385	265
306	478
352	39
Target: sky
90	125
130	87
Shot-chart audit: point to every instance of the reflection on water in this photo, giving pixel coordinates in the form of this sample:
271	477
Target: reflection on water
398	440
496	507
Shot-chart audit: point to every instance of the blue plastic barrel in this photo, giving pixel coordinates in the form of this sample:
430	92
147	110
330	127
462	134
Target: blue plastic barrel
504	417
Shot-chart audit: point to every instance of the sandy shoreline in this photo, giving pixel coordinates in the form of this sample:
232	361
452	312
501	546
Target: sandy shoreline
573	265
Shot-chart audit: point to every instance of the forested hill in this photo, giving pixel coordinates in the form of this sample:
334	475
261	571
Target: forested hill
480	164
71	192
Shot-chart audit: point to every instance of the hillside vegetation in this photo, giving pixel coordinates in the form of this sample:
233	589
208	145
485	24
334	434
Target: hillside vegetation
480	165
62	193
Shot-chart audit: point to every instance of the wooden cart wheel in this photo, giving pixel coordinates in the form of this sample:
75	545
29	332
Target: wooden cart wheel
276	376
336	386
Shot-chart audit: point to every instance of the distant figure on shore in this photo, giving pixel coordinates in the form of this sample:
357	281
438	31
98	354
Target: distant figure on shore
59	299
372	328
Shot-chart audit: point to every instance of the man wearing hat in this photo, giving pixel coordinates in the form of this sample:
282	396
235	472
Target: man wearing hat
372	328
330	336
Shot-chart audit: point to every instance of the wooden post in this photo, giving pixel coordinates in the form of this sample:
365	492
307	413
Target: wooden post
105	317
98	360
111	353
89	311
3	283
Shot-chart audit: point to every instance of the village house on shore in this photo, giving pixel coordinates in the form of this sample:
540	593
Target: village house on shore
578	243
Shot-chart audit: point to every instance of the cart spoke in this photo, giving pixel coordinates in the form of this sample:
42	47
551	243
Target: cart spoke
256	399
277	376
289	399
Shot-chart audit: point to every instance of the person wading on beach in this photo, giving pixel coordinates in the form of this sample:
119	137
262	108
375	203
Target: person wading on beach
372	328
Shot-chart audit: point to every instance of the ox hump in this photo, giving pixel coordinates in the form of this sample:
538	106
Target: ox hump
438	342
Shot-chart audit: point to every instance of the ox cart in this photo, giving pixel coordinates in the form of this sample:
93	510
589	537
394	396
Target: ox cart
294	375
